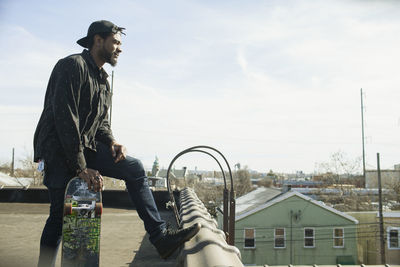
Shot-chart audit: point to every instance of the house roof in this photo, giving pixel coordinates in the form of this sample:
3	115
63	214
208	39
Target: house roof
254	199
389	214
175	173
301	182
287	195
7	180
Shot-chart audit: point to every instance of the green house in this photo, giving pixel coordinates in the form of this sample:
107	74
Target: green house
291	228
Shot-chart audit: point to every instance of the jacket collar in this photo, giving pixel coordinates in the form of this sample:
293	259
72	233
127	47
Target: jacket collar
89	59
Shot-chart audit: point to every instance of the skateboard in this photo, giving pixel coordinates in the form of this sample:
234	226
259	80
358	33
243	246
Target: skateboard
81	225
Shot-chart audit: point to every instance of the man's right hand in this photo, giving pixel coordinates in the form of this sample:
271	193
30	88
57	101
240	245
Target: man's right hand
93	178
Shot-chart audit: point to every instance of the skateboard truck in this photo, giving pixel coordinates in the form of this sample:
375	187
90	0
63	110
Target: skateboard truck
97	207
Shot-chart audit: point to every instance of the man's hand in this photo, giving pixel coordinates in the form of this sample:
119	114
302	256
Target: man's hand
118	151
93	179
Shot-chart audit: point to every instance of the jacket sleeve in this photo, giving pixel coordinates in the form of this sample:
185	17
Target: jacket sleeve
68	82
104	133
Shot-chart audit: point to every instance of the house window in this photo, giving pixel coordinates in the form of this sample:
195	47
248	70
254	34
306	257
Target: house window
393	237
338	237
309	238
249	238
279	237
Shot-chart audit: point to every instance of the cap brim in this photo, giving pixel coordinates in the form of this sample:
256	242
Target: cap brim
83	42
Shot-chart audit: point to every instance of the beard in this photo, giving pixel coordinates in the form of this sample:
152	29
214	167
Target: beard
108	56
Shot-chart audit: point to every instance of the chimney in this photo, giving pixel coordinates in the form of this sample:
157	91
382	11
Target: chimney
286	188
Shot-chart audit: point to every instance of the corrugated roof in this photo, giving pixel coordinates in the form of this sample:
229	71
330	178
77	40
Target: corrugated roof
390	214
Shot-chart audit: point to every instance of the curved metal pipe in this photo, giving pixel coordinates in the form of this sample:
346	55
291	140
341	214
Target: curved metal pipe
173	202
194	149
226	216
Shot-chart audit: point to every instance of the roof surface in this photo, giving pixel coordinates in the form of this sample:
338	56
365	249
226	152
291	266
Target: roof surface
124	241
254	199
287	195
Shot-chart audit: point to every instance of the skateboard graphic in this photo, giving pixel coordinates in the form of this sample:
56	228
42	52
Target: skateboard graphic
81	225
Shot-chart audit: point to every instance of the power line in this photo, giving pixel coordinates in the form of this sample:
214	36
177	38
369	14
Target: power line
324	233
272	240
346	226
266	239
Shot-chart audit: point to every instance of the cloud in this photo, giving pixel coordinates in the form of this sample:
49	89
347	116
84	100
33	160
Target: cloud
26	65
16	130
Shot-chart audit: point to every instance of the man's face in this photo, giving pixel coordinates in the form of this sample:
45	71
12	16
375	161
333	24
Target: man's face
111	49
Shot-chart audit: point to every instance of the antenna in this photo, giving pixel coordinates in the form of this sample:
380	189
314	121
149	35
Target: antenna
362	129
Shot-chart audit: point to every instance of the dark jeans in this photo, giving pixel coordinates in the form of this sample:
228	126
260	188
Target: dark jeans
130	170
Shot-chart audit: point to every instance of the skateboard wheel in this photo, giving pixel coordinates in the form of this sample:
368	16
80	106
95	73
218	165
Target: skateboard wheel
67	208
99	209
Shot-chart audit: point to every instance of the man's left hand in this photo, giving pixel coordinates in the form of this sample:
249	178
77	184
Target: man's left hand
118	152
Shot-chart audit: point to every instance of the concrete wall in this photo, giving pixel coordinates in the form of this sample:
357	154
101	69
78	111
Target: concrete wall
111	198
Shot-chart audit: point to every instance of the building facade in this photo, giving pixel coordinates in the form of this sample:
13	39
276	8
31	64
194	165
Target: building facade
388	178
391	223
369	239
294	229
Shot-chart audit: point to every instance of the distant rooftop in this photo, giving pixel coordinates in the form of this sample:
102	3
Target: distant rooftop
288	194
390	214
7	180
255	198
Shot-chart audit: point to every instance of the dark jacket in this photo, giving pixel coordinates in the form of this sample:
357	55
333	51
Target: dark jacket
75	114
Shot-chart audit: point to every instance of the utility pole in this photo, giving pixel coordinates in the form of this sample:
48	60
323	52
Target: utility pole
112	86
381	230
363	137
291	237
12	163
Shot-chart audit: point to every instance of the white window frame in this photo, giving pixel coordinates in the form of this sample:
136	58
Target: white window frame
284	238
309	237
388	229
244	237
337	237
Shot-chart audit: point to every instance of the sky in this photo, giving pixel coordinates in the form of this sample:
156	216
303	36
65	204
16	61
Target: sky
274	85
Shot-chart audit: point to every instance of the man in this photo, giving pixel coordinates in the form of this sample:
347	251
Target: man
73	138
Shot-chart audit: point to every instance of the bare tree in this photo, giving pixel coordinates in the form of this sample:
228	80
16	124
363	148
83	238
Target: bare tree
339	164
332	173
265	182
5	168
29	169
396	189
210	195
242	182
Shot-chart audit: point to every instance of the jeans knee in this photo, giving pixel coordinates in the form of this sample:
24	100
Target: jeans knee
135	168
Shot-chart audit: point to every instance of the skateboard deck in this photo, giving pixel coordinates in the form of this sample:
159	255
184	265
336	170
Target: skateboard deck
81	225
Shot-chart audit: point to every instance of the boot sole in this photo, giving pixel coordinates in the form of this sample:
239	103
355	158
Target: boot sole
172	250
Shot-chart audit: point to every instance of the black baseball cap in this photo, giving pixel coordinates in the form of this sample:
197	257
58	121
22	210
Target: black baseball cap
100	26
